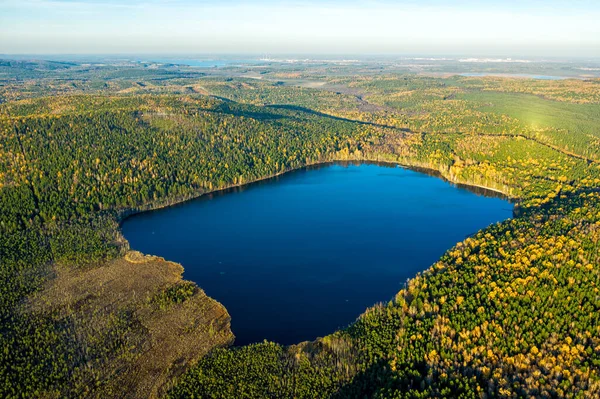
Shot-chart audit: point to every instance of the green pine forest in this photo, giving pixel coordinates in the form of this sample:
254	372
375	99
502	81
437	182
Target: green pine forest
513	311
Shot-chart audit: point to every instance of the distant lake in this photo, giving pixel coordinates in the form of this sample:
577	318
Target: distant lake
519	75
298	256
205	63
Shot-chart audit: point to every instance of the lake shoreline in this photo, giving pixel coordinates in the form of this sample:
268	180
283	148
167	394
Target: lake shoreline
414	166
302	231
430	171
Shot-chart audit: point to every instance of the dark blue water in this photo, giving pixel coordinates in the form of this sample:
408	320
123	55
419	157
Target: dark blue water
298	256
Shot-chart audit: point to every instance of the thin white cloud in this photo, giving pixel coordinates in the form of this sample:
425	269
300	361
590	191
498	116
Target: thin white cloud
52	4
301	26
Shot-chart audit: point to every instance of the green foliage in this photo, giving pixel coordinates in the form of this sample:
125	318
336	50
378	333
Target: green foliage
573	127
72	167
264	370
511	311
175	294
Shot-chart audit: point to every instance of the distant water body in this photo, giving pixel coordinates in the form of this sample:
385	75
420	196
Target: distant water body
298	256
205	63
519	75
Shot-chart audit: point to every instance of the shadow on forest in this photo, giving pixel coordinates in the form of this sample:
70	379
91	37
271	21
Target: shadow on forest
225	108
337	118
291	112
379	377
366	383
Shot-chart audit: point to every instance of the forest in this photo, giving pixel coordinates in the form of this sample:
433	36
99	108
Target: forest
512	311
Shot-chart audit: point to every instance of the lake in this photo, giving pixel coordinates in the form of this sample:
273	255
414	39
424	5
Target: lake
298	256
518	75
203	63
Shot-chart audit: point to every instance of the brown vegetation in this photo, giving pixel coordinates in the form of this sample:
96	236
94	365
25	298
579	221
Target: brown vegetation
160	340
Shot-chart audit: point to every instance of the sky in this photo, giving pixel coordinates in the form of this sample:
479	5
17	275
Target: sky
533	28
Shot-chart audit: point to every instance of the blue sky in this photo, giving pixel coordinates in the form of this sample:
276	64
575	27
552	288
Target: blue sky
436	27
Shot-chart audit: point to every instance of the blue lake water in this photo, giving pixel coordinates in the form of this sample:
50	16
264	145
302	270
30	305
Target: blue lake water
298	256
